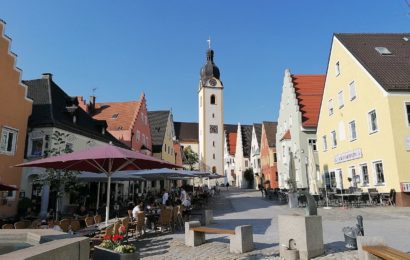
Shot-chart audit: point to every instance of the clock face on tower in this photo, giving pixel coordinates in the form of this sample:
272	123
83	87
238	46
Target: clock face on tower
213	82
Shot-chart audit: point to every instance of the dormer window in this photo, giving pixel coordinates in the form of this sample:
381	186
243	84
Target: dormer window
114	116
383	51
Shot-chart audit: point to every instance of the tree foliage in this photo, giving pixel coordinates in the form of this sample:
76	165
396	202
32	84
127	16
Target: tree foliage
190	157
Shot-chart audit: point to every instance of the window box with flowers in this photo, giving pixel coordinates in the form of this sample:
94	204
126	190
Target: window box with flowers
113	248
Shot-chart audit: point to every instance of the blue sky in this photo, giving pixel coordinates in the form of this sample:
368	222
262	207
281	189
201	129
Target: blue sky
125	47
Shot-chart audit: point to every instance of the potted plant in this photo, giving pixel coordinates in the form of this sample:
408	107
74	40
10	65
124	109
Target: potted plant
113	247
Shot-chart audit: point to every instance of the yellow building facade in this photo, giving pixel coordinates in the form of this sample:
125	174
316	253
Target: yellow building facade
363	132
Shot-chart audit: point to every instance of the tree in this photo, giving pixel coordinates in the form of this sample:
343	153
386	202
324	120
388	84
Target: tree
190	157
60	181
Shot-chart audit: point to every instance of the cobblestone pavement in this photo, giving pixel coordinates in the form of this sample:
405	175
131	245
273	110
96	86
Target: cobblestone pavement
239	207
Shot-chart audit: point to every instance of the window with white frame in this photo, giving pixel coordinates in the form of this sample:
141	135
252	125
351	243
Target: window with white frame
408	113
352	90
330	106
324	140
138	135
365	174
312	142
378	170
340	99
334	140
337	68
352	128
36	147
8	141
372	121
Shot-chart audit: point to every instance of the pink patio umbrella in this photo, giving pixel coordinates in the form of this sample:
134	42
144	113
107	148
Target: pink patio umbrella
102	159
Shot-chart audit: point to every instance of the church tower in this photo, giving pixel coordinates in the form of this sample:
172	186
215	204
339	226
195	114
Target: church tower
211	117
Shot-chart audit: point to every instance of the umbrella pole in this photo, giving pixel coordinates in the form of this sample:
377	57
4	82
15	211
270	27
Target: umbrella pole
98	197
107	208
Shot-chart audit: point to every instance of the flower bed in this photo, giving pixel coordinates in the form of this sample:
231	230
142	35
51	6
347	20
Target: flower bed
112	247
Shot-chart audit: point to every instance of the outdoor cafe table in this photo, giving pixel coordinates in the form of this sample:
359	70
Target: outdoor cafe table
95	228
356	195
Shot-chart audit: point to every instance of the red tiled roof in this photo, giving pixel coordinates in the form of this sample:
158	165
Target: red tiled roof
286	136
232	143
127	112
309	92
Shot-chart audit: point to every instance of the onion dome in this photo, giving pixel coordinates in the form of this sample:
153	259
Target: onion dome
209	70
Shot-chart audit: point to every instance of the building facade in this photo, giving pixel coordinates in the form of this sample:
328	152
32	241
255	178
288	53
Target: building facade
211	117
15	108
255	157
297	123
57	115
364	125
127	121
269	176
163	135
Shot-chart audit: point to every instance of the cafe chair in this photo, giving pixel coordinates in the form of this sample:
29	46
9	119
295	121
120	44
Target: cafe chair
64	224
7	226
165	219
75	225
89	221
97	219
20	225
140	224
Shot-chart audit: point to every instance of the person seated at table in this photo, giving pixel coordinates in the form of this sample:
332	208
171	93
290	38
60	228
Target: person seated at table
81	212
165	196
137	209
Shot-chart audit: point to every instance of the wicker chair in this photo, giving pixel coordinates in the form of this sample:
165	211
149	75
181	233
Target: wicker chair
97	219
75	225
64	224
165	219
20	225
116	227
35	224
140	223
7	226
89	221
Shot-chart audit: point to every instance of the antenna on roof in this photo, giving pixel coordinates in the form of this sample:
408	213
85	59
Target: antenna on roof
94	89
209	41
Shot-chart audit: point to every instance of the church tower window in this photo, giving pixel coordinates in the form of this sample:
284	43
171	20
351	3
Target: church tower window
213	99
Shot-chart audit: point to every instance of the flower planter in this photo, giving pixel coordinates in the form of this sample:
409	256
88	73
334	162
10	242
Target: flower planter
101	253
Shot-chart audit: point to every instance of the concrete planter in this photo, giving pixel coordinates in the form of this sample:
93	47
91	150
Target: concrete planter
101	253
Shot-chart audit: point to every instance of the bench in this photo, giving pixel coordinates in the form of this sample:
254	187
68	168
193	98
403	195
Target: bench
386	252
241	239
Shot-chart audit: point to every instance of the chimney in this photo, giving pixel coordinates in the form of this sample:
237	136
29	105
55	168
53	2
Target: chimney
47	76
91	105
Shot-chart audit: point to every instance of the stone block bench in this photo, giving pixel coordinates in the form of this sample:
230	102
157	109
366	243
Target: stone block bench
241	238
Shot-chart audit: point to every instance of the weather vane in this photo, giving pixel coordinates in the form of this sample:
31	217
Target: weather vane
209	42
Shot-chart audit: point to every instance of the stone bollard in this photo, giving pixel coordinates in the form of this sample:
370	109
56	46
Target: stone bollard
193	238
242	241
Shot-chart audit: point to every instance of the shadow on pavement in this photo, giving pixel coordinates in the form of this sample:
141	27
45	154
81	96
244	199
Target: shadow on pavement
337	246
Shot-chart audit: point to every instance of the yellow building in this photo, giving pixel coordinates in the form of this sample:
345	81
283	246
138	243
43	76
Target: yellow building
364	124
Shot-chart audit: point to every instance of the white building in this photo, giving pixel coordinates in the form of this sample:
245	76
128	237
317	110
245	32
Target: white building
255	157
297	124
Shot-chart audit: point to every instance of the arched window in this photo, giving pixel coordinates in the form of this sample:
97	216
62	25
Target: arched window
214	169
213	99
